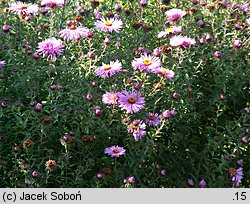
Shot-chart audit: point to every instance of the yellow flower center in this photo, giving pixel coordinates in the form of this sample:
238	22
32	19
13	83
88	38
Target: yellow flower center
116	151
164	71
108	23
147	62
112	97
107	67
72	27
23	6
169	29
151	117
131	100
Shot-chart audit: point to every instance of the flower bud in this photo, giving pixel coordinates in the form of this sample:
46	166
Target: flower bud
202	184
157	52
244	139
240	162
6	28
217	54
39	107
106	41
118	7
98	112
190	182
35	173
238	43
89	97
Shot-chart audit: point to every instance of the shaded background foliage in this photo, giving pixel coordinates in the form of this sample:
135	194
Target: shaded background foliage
202	141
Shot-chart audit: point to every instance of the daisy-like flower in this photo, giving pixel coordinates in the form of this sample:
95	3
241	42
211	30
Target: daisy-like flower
50	48
153	119
236	176
110	97
132	102
2	63
52	3
24	8
107	70
175	14
182	41
73	33
137	129
165	72
146	62
114	151
169	31
109	25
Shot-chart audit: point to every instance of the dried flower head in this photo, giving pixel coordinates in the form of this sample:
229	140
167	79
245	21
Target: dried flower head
28	143
51	164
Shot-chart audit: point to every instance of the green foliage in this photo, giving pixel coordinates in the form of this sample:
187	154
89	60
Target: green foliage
202	141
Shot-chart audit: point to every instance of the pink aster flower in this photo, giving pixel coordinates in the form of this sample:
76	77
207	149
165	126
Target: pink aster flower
165	72
110	97
73	33
50	48
153	119
146	62
109	25
21	7
175	14
137	129
2	63
182	41
132	102
114	151
169	31
107	70
52	3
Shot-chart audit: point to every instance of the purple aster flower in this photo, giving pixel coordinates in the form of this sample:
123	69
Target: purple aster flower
107	70
153	119
169	31
183	41
21	7
74	33
50	48
110	97
114	151
175	14
2	63
146	62
244	7
137	129
236	176
52	3
109	25
165	72
132	102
